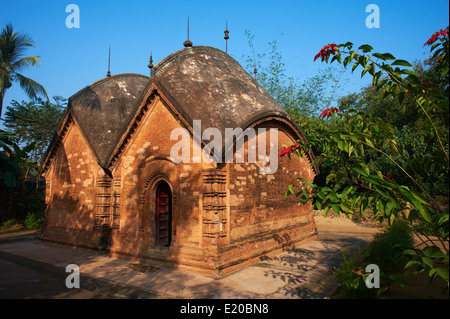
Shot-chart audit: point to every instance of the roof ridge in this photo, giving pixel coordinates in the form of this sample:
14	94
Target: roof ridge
165	63
101	81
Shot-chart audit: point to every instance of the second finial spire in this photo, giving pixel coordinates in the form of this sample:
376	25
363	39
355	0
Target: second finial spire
226	36
109	63
187	43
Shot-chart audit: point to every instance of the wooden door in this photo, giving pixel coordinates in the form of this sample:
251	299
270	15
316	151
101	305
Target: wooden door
163	214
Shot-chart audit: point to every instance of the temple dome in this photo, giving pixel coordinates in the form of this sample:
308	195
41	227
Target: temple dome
207	84
104	109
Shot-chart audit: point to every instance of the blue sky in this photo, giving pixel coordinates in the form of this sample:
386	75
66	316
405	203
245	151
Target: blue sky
74	58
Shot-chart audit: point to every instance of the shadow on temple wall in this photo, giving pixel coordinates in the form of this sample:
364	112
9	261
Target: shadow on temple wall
285	241
70	223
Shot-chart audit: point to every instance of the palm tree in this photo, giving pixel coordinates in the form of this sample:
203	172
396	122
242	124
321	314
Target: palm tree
12	47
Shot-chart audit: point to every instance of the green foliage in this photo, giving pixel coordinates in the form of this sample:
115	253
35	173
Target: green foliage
300	98
35	121
31	122
396	173
20	191
12	61
8	224
412	132
352	284
14	163
431	259
9	170
33	221
372	101
420	154
385	251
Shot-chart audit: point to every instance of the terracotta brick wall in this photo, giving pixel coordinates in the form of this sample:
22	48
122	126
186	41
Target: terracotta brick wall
144	162
222	217
261	219
72	180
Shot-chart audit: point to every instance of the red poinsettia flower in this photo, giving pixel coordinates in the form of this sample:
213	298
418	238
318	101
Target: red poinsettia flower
286	151
433	38
326	50
436	36
327	112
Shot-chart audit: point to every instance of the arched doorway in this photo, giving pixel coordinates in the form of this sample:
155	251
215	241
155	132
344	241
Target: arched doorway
163	214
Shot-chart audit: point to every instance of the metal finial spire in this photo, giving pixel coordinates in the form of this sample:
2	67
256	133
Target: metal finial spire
226	36
187	43
150	65
109	63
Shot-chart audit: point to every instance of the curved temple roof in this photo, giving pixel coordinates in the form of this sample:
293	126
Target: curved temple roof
207	84
202	83
104	109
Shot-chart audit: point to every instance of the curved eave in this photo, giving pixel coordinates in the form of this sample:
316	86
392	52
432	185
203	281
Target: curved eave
286	122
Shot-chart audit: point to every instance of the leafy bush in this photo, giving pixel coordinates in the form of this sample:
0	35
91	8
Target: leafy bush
33	221
385	251
397	175
352	285
8	224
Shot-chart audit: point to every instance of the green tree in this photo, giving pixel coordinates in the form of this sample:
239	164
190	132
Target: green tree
411	130
20	194
370	100
14	161
12	61
354	184
35	121
373	101
301	99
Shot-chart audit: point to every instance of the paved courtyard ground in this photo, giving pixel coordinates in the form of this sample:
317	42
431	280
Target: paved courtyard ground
30	268
34	269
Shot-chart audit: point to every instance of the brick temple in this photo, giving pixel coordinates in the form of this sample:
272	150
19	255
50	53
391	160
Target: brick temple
112	184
